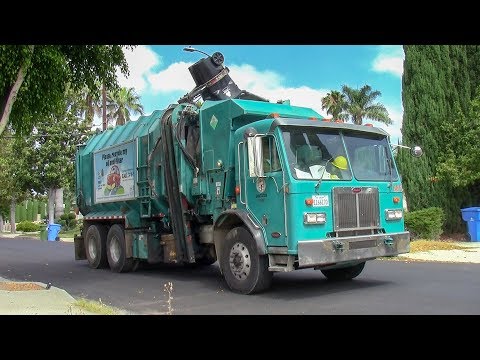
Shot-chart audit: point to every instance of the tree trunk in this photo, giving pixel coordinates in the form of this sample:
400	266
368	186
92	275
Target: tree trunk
13	93
104	107
89	114
13	205
1	223
51	205
59	209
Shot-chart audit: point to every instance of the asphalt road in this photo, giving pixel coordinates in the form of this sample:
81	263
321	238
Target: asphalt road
384	287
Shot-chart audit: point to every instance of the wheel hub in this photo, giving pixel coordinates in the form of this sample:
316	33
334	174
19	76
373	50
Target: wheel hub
92	249
115	249
240	263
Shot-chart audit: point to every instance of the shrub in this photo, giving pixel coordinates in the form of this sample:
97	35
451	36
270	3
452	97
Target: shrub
28	226
67	221
425	223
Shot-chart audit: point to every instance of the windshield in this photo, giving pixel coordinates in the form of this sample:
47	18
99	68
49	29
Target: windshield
370	157
331	155
315	155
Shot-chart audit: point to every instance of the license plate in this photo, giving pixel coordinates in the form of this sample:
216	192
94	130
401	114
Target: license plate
320	200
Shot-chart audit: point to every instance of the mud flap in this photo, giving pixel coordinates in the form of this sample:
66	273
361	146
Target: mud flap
80	253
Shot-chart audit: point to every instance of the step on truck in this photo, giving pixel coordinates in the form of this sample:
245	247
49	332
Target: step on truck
226	176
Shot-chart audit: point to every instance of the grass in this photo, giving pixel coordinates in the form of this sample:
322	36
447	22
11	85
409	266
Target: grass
69	233
96	307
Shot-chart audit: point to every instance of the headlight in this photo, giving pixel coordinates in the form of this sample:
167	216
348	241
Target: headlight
393	214
314	218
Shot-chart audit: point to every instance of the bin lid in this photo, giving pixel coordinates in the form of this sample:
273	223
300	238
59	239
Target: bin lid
475	208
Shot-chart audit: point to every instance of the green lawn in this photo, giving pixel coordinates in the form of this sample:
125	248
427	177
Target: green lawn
69	233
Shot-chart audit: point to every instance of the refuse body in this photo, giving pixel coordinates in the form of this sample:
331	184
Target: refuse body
472	216
43	232
52	232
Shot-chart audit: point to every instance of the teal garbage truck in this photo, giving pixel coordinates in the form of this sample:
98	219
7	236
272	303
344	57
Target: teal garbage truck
225	175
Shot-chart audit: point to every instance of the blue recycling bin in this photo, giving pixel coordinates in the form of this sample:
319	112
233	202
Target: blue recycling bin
52	231
471	216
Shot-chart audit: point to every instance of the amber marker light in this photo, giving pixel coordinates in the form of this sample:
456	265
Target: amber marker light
237	190
309	202
396	200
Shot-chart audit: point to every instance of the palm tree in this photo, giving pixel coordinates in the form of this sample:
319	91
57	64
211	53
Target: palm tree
334	103
121	102
359	104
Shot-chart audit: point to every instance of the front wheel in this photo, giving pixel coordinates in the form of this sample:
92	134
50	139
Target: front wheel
346	273
245	271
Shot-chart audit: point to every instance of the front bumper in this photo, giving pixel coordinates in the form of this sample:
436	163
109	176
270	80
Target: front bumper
345	249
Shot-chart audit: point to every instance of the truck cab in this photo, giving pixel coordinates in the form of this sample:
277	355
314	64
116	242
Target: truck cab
312	211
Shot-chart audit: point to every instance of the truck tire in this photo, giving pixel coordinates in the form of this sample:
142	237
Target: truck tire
245	271
116	250
95	246
347	273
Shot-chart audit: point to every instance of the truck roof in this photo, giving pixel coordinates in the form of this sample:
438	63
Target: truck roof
325	125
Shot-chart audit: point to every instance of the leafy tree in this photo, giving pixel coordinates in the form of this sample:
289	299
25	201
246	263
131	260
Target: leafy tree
121	102
14	185
33	78
334	103
359	104
50	150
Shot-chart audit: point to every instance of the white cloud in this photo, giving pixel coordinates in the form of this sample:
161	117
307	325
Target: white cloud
249	78
175	77
267	84
389	59
141	62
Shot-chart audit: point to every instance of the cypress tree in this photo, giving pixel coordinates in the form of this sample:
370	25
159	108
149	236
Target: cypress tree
435	84
29	210
35	210
473	59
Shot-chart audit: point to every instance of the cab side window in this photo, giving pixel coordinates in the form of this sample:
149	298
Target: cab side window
271	162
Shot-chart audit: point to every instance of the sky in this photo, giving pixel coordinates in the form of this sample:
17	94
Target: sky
302	74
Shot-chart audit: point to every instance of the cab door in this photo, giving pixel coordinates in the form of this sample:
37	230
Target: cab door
264	188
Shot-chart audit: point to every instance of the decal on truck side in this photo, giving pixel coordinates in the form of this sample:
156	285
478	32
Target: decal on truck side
115	173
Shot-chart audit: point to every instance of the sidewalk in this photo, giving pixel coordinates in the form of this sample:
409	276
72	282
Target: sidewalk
33	298
470	254
36	298
32	235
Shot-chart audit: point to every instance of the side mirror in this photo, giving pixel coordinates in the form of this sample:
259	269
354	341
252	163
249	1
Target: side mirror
416	151
255	156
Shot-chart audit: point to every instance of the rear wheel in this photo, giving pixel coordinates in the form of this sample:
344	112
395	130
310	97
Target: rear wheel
244	270
116	250
95	246
347	273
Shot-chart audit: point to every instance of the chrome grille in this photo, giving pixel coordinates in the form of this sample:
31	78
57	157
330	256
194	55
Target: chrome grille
355	208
